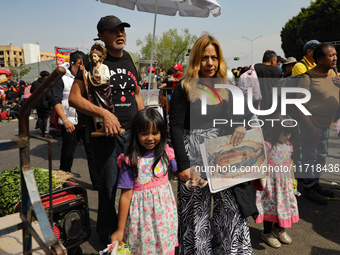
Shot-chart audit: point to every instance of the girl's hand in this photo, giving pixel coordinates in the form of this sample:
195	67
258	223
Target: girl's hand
118	235
238	135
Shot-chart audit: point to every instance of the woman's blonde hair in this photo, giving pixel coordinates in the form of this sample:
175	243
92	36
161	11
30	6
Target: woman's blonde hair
195	59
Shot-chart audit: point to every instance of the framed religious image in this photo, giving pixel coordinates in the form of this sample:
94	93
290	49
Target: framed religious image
227	165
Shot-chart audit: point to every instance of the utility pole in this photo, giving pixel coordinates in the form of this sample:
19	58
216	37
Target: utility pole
251	46
38	58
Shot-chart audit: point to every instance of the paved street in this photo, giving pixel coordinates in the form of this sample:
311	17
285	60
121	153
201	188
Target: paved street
316	233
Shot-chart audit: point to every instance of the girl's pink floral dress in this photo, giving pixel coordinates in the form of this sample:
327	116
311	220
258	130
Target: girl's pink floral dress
277	203
151	227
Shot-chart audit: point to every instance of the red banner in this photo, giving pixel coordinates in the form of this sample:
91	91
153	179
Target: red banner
63	55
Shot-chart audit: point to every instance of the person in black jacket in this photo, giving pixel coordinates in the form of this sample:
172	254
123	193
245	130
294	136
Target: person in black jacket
15	109
43	106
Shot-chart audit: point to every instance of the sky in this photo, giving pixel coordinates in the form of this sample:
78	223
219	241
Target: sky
72	23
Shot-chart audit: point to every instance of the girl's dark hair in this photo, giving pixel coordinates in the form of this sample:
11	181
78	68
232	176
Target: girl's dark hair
271	132
143	121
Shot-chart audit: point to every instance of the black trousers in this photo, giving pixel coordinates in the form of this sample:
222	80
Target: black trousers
105	153
70	142
43	119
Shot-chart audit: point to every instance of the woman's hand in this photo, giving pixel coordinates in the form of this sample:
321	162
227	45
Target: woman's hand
238	135
184	175
117	236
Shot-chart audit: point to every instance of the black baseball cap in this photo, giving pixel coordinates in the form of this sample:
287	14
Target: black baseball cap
310	45
109	22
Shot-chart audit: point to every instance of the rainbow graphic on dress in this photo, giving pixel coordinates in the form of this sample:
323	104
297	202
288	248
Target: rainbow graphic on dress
209	93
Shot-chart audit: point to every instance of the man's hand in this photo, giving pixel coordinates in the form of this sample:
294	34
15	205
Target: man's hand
69	127
111	125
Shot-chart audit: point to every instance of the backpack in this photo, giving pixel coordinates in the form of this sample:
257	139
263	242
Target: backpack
135	60
249	80
290	82
302	62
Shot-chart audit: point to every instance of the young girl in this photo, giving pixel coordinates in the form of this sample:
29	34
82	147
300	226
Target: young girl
147	219
277	203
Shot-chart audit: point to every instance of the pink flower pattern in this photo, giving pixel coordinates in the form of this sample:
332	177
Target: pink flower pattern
277	203
151	227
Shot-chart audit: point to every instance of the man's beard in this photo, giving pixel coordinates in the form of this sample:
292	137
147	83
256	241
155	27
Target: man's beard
119	47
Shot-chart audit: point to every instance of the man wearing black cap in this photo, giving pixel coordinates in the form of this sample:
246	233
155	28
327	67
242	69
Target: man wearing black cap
127	102
307	62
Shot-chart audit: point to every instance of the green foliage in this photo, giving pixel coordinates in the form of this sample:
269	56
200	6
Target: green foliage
17	74
23	71
14	72
169	49
10	188
319	21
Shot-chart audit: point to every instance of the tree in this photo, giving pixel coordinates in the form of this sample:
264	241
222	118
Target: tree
18	73
319	21
169	49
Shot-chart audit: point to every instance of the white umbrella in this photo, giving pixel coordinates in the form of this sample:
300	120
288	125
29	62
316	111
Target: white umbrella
185	8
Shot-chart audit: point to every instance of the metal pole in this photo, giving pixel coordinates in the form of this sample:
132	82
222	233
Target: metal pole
251	45
152	46
30	194
38	59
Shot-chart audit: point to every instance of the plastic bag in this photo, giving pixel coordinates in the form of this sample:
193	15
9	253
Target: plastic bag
115	248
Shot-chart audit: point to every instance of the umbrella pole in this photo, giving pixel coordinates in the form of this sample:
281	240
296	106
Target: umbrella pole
152	46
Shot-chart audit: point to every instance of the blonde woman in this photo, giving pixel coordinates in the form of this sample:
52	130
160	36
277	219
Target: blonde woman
189	128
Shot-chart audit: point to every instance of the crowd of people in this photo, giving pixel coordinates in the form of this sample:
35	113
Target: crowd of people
13	95
130	150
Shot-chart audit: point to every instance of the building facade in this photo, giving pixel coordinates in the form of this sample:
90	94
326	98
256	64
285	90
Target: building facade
12	56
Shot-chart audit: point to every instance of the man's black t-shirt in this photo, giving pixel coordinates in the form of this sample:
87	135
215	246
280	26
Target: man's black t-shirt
268	76
123	82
